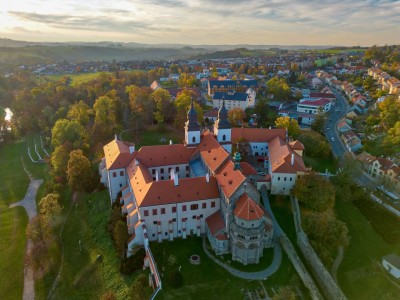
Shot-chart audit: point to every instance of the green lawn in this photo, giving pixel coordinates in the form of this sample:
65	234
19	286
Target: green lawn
76	78
82	277
320	165
13	185
153	136
360	274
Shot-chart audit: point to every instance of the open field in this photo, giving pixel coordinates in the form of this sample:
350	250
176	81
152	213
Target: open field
154	136
76	78
13	185
360	274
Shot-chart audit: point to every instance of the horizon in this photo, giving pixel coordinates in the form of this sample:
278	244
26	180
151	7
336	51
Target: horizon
204	22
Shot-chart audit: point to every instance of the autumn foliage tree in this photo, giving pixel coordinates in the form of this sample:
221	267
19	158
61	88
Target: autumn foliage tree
79	172
290	124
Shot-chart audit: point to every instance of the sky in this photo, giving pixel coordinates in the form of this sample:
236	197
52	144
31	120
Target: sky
196	22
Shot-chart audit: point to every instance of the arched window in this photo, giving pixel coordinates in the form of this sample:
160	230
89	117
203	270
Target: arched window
194	139
224	137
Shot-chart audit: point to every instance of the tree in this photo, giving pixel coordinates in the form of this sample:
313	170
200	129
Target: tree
290	124
141	104
79	172
236	116
314	192
315	144
59	160
279	88
393	137
49	206
164	107
319	121
38	230
120	236
139	289
67	131
80	112
36	256
182	105
390	111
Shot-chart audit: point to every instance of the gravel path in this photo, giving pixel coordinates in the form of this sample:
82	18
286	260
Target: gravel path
29	203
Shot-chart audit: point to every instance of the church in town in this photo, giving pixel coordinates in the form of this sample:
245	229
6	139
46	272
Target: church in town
201	188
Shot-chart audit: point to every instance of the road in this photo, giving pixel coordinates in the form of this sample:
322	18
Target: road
334	115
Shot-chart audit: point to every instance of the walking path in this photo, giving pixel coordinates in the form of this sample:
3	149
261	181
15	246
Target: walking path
29	203
276	261
336	264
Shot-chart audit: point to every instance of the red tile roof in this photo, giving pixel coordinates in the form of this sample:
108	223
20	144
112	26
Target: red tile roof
164	155
281	156
117	154
296	145
213	154
255	135
229	179
215	222
247	169
247	209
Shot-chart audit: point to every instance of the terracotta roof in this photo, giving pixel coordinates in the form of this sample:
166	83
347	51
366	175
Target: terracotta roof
366	157
296	145
221	237
260	135
385	163
247	169
117	154
247	209
215	222
164	155
322	95
281	156
229	179
165	192
211	151
315	101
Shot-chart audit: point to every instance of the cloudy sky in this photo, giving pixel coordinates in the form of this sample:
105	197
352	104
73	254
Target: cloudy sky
272	22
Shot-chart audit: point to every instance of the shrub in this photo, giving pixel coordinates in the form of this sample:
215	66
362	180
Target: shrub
133	263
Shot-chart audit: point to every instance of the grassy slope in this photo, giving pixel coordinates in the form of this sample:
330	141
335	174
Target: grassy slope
13	185
360	274
82	277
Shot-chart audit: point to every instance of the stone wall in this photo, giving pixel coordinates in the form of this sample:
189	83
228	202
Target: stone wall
385	205
325	281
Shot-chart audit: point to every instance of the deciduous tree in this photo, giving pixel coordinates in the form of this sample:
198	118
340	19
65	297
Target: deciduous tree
290	124
79	171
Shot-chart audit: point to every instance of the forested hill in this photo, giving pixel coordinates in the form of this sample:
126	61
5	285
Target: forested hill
12	56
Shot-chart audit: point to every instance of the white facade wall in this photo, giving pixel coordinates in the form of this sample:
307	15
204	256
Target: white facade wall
394	271
251	100
183	172
260	148
248	224
229	104
192	137
307	121
220	133
178	225
312	109
282	183
116	181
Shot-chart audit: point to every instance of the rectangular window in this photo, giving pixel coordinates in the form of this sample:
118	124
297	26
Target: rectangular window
121	173
284	178
183	207
166	233
154	212
194	217
213	204
177	169
114	174
153	171
174	220
194	207
290	178
204	205
187	168
146	213
279	178
163	211
162	170
174	209
155	222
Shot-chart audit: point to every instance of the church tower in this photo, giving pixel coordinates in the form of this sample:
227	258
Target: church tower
222	129
192	128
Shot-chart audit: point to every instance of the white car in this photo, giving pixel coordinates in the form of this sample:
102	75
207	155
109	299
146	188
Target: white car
332	139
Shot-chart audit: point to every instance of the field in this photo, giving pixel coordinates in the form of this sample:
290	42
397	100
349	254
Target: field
76	78
153	136
14	183
360	274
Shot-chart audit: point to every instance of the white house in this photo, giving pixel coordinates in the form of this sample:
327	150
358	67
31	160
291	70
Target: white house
391	263
313	105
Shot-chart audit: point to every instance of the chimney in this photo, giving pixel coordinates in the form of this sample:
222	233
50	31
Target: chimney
136	162
157	176
176	180
172	174
170	142
292	161
131	149
207	177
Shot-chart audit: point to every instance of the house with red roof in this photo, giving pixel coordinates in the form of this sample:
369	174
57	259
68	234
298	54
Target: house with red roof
179	190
